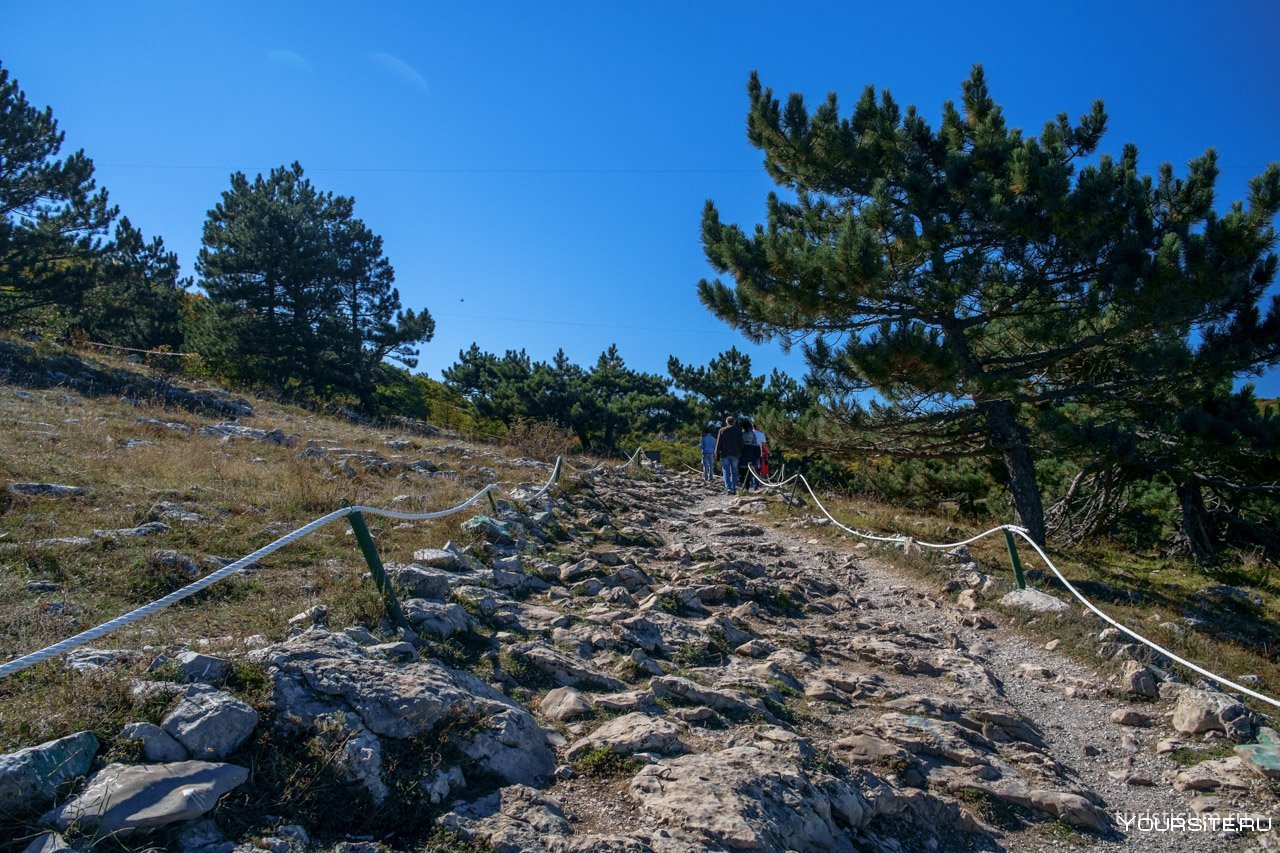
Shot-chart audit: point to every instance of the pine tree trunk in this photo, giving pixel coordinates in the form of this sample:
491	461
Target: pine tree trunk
1011	440
1195	536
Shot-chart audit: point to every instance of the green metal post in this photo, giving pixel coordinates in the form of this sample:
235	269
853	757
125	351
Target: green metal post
380	579
1013	558
492	503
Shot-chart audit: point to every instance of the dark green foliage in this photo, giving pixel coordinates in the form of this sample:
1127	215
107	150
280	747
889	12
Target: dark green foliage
600	405
604	762
139	299
300	298
972	276
726	386
52	216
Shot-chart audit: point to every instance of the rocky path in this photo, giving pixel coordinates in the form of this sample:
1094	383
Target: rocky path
958	732
651	666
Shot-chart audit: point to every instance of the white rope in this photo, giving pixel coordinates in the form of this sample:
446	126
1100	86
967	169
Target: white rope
634	457
191	589
1021	531
555	475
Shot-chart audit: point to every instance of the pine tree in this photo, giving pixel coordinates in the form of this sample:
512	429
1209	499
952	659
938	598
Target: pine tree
300	297
52	216
971	276
138	301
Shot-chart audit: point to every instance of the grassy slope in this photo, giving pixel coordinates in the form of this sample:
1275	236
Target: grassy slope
248	492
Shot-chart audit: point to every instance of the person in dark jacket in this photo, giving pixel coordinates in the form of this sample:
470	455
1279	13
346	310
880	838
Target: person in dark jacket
728	450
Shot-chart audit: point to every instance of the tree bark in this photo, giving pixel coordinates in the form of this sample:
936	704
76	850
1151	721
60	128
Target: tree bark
1010	438
1195	535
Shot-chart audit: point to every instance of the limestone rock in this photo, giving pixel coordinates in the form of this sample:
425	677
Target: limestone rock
515	819
565	669
563	704
1138	680
1199	711
438	558
157	744
434	619
204	668
1034	601
1129	717
29	778
210	723
121	798
632	733
1214	774
319	673
750	797
685	690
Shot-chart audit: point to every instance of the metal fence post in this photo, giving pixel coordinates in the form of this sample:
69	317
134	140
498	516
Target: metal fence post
380	579
1013	558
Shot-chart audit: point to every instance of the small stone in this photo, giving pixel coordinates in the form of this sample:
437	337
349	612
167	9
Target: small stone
1035	671
210	723
47	490
1129	717
156	743
564	704
1052	645
1090	750
204	668
317	615
1138	680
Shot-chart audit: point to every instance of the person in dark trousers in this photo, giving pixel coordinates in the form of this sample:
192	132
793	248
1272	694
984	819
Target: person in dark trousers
750	459
708	445
728	450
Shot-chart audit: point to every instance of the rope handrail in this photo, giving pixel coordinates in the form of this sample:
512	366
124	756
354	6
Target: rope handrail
1022	532
91	634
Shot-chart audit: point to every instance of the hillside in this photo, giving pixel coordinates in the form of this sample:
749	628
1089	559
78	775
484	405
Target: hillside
633	662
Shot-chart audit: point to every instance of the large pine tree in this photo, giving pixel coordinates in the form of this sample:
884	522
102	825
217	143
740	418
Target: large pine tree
52	215
300	297
971	276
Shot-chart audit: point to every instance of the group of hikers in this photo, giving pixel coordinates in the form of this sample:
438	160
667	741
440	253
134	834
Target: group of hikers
741	450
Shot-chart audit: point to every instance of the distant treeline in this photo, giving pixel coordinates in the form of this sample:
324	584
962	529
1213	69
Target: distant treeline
990	320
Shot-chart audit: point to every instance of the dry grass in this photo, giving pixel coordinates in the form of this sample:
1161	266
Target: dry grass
248	493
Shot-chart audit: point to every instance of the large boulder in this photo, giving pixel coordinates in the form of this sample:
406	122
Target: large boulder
30	778
121	798
318	674
758	796
517	819
1205	710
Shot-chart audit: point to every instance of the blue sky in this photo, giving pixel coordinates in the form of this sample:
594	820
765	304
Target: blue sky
538	171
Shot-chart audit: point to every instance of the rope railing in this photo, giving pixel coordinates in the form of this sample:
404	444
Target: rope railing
1022	532
355	513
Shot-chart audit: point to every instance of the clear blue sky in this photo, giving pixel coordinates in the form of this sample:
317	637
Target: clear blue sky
538	170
